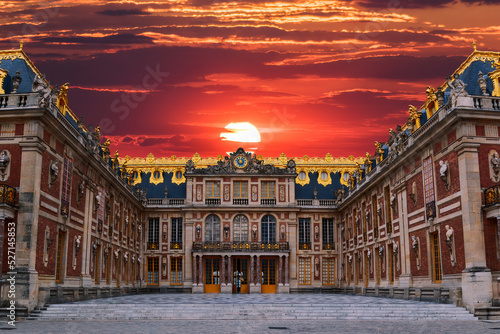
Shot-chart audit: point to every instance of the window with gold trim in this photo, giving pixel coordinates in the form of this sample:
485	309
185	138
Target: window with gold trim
329	271
268	189
153	278
304	270
240	189
436	258
59	257
212	189
176	270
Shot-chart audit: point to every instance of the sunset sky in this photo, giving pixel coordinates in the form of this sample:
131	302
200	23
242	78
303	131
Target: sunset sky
313	77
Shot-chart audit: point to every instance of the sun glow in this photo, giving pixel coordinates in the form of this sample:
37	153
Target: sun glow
242	132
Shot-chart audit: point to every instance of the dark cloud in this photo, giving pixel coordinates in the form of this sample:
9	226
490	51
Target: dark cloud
112	39
122	12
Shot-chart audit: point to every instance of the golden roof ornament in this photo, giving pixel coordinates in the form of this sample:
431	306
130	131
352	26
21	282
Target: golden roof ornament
21	44
474	45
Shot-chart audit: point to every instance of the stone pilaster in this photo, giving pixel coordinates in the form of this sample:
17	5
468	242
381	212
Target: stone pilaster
476	278
27	223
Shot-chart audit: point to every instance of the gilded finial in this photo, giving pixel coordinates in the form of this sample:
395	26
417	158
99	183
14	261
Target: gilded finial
377	144
21	44
474	45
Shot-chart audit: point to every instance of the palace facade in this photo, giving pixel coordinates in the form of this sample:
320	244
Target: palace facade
418	218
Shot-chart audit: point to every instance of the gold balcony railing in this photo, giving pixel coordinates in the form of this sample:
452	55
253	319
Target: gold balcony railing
239	246
492	196
7	195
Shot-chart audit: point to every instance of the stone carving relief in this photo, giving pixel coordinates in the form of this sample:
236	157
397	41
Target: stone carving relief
415	246
227	192
53	172
450	242
444	173
494	160
4	165
255	193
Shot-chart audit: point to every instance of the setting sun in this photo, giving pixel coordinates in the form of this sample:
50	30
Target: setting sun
242	132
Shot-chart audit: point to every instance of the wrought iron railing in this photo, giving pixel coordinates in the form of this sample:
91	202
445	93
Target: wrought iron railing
305	245
216	246
176	245
492	196
329	246
153	245
7	194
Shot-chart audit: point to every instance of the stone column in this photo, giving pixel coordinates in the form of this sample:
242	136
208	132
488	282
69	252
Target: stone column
476	278
405	280
200	270
223	270
27	222
195	271
229	270
188	246
258	276
286	270
252	276
280	270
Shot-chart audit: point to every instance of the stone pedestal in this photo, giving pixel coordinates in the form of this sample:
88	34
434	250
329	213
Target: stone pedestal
226	288
476	288
405	281
255	288
86	281
26	287
197	288
283	288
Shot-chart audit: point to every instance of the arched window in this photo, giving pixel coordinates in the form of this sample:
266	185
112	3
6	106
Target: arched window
212	228
268	229
240	228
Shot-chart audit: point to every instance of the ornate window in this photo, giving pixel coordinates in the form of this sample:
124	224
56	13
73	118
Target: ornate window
176	231
153	271
240	228
212	228
59	257
268	228
329	271
66	186
328	236
240	189
304	233
154	233
268	189
304	270
436	258
176	270
213	189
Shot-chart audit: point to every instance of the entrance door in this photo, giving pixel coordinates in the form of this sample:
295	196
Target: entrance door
212	275
268	275
240	275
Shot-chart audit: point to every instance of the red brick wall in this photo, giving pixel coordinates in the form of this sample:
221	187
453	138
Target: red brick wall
490	240
15	163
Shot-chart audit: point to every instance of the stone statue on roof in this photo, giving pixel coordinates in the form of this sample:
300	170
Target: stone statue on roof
457	87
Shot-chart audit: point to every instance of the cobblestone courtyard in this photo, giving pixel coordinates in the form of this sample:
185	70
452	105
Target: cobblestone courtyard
178	301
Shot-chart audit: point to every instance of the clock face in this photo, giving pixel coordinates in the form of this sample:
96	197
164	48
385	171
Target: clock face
240	161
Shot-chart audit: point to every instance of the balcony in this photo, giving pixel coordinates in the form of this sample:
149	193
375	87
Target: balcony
175	245
165	202
329	246
305	245
238	246
153	246
268	201
317	203
240	201
492	196
7	195
212	201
